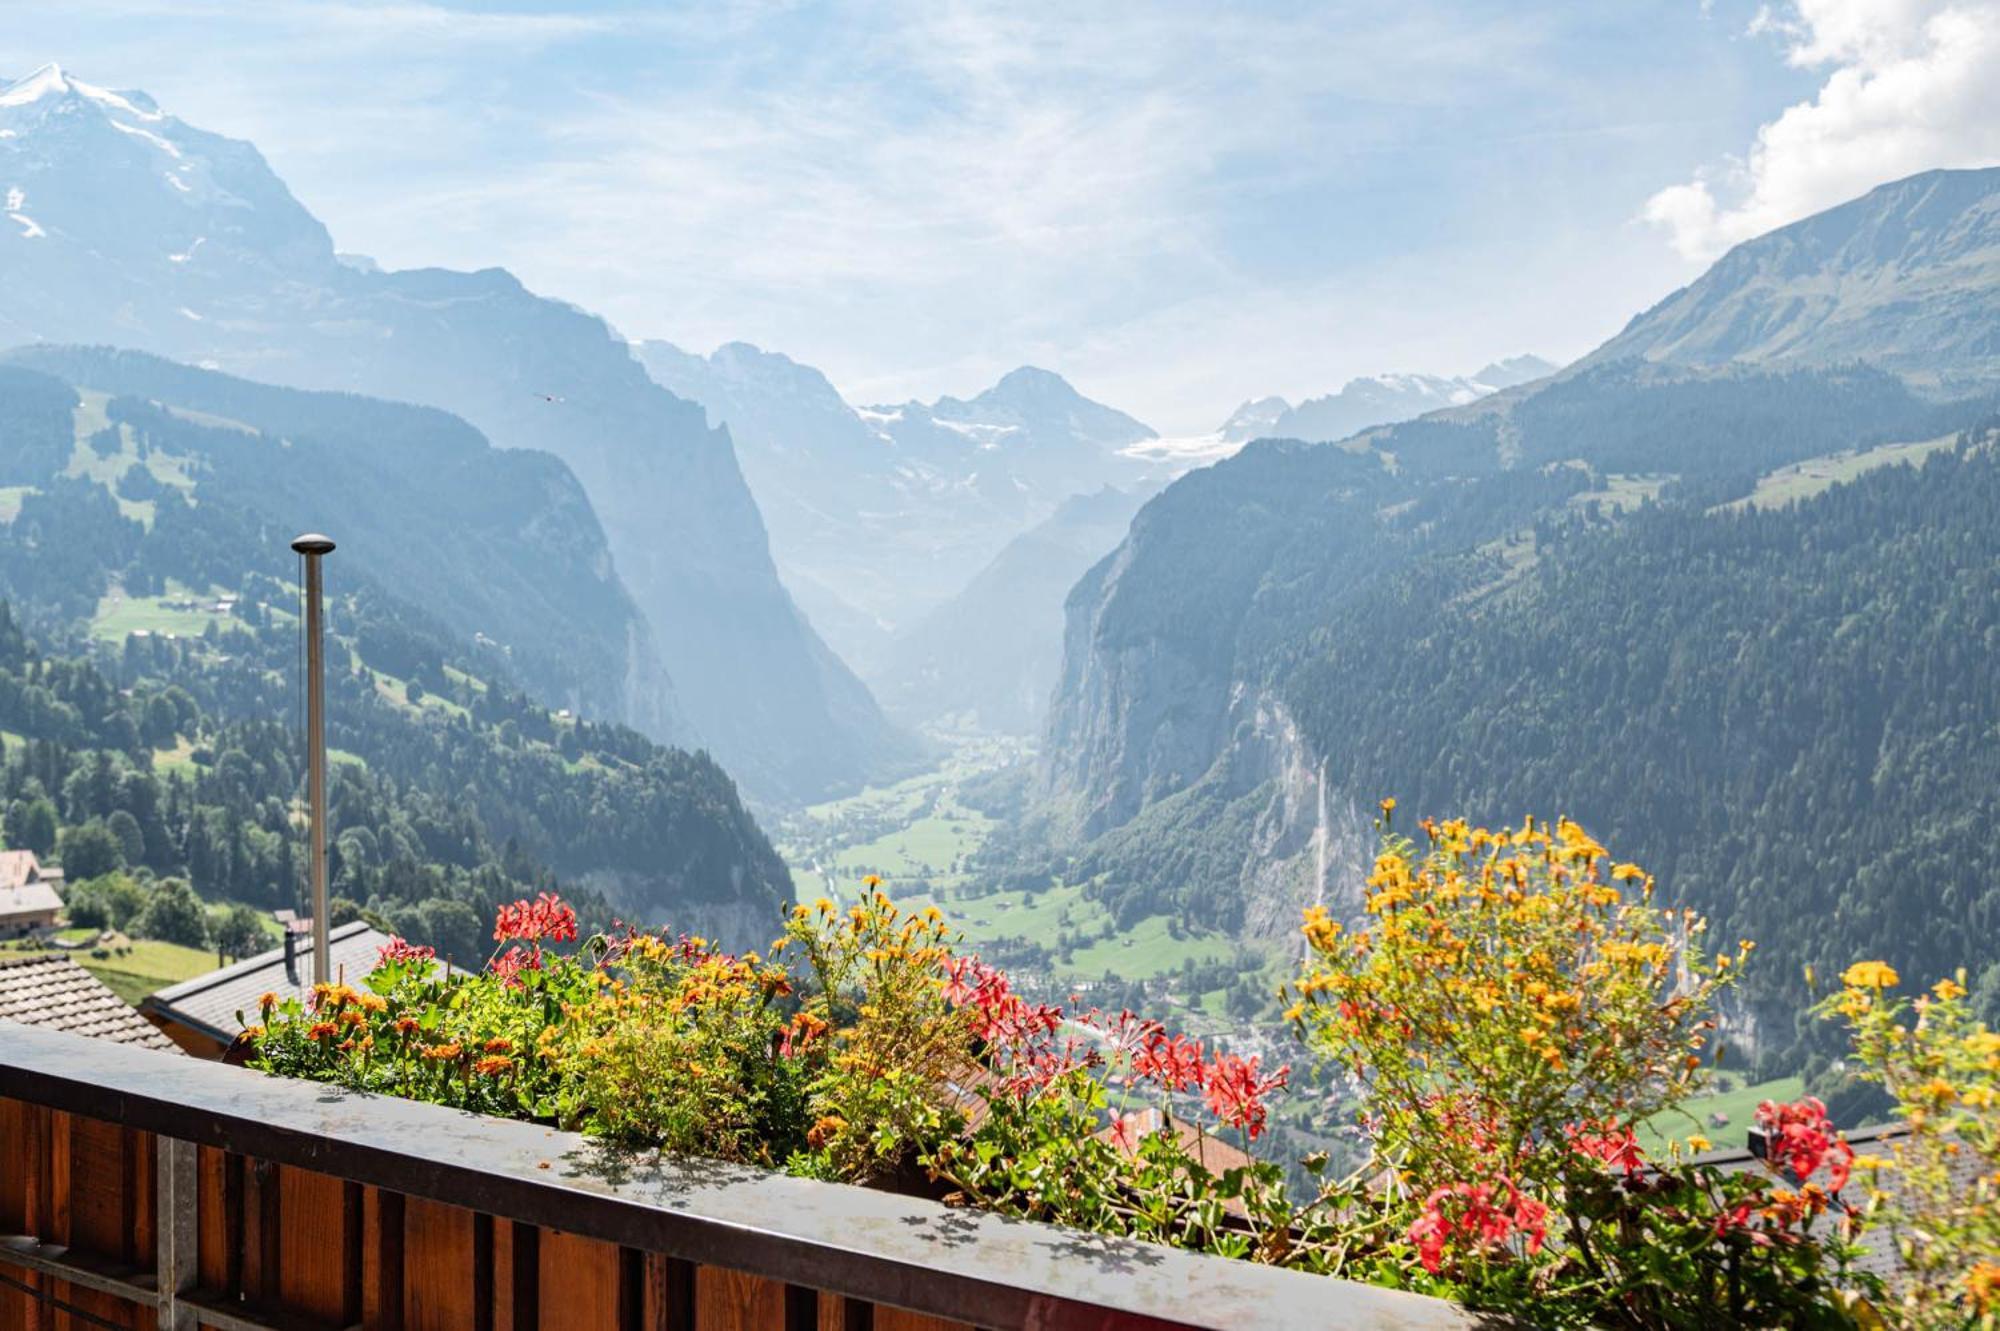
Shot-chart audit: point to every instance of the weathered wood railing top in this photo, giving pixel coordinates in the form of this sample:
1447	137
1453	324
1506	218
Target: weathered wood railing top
828	1241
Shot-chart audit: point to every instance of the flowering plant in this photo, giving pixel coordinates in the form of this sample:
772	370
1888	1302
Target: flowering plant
1936	1186
1510	1009
1507	1011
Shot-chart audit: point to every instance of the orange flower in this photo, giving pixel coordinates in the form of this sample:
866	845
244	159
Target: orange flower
493	1066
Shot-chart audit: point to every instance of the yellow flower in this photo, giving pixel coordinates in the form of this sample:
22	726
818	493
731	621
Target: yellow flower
1388	806
1870	975
1872	1162
1698	1143
1946	990
872	880
1982	1287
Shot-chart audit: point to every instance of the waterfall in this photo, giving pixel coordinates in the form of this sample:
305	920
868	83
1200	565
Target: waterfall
1320	837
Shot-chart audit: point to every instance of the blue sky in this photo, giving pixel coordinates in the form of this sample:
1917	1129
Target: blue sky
1177	205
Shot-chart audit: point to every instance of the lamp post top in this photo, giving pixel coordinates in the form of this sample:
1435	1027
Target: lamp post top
312	543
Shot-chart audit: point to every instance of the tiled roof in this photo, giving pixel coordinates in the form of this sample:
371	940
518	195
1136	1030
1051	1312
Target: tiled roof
18	867
28	899
210	1002
1878	1245
48	989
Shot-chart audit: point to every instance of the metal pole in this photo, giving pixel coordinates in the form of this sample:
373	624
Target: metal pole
314	547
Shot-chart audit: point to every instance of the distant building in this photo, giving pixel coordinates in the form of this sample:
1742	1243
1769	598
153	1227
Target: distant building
30	896
49	989
201	1015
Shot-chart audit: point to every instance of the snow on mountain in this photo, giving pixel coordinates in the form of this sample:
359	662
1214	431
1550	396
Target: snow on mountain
1382	399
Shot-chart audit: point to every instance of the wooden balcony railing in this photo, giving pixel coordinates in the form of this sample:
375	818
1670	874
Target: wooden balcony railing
142	1190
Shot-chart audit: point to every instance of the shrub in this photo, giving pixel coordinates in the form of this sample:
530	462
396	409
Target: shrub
1512	1006
1935	1188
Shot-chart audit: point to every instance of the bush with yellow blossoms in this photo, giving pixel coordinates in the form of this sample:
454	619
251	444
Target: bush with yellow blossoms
1934	1188
1509	1010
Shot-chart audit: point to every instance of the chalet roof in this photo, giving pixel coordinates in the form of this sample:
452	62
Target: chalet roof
18	867
209	1003
28	899
49	989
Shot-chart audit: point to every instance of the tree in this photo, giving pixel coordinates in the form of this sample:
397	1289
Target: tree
162	722
33	826
454	929
239	932
131	841
89	850
110	902
174	914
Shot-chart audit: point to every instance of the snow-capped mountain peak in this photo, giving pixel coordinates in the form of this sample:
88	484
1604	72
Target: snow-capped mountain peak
51	80
106	192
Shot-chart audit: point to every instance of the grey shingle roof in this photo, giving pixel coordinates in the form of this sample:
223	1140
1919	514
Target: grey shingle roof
1879	1257
210	1002
49	989
28	899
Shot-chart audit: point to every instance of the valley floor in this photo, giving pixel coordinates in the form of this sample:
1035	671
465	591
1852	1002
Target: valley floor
922	836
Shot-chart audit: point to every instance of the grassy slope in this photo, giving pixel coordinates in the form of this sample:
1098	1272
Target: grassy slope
1739	1102
917	830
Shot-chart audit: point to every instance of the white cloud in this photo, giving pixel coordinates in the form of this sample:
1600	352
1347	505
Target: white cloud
1911	85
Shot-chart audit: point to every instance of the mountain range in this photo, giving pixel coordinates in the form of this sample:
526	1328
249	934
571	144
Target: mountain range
881	514
132	228
1379	399
1286	636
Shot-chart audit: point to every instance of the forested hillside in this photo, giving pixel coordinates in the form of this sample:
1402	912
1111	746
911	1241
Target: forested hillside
178	757
214	475
1792	716
149	544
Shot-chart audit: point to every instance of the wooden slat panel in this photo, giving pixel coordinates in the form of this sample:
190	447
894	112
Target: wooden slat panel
670	1293
732	1301
312	1244
895	1319
579	1283
839	1313
14	1157
213	1238
101	1162
99	1189
502	1276
438	1288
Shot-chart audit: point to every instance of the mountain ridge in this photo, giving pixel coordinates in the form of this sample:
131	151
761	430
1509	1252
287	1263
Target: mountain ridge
155	235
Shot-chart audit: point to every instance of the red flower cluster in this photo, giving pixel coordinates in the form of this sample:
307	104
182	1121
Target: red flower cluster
1172	1062
1236	1093
1022	1039
548	916
1481	1215
398	951
1612	1144
1002	1017
1802	1138
509	964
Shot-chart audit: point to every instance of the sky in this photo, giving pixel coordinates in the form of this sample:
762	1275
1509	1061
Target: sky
1178	206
